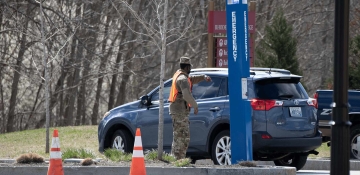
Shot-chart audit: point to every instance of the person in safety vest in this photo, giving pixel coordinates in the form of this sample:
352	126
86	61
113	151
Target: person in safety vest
181	102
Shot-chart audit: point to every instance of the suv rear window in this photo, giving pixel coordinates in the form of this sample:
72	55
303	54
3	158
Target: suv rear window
276	88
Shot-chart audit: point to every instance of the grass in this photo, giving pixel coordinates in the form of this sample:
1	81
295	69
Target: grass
152	155
80	138
15	144
324	151
117	156
77	153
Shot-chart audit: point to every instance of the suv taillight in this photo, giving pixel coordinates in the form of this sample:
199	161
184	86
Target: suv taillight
315	102
264	105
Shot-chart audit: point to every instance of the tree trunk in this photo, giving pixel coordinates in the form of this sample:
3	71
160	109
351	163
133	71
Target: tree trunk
82	94
2	65
81	112
35	103
117	63
121	97
102	67
2	109
162	75
96	9
54	99
79	59
72	92
14	86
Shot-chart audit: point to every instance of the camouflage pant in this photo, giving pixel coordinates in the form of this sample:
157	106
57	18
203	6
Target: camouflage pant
181	135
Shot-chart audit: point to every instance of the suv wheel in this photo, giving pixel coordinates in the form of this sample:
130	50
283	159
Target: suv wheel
122	141
355	142
293	160
221	149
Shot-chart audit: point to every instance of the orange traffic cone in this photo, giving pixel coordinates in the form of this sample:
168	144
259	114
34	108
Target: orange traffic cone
138	162
55	165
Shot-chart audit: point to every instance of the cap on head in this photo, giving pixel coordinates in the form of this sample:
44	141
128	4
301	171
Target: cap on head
185	60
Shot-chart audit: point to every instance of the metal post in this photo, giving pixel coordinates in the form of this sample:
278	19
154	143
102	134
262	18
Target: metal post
239	70
340	139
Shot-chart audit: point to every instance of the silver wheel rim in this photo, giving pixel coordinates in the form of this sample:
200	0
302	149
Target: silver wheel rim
118	143
223	151
355	146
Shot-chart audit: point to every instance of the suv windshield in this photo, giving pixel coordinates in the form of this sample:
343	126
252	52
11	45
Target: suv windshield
279	89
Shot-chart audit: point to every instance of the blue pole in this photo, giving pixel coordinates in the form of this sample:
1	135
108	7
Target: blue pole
239	70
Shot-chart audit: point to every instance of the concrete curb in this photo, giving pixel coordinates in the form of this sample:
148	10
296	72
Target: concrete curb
22	170
311	164
315	164
264	167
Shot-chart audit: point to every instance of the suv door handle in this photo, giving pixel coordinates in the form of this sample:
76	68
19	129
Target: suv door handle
214	109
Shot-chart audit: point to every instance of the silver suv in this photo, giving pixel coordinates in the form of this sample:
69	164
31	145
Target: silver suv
283	117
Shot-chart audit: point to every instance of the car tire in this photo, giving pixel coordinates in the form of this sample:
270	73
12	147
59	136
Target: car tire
122	141
221	150
355	142
293	160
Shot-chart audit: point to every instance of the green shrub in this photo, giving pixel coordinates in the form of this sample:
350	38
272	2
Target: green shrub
168	157
117	156
77	153
153	155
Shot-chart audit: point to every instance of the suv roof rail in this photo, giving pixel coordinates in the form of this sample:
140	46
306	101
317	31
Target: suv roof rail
208	69
283	71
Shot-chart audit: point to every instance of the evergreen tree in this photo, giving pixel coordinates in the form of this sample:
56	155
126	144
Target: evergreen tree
354	64
278	47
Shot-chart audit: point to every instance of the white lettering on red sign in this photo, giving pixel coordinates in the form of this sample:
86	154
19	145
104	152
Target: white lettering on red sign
222	52
251	27
220	27
223	63
221	42
233	29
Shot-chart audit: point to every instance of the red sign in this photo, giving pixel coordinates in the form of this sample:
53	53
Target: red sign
251	21
222	62
221	42
221	52
217	22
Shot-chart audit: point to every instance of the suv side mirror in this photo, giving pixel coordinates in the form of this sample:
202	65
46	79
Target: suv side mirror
144	100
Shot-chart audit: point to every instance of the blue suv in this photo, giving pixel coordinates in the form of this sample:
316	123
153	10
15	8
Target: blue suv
284	120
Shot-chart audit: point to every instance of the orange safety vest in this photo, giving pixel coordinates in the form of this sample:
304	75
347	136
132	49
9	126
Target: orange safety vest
173	91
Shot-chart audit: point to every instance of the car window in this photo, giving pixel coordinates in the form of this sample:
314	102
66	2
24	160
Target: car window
278	89
206	89
223	90
167	87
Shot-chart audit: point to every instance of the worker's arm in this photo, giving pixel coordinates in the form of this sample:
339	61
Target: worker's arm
185	90
198	78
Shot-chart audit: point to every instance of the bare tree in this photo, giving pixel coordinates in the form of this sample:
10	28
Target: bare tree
157	31
17	71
